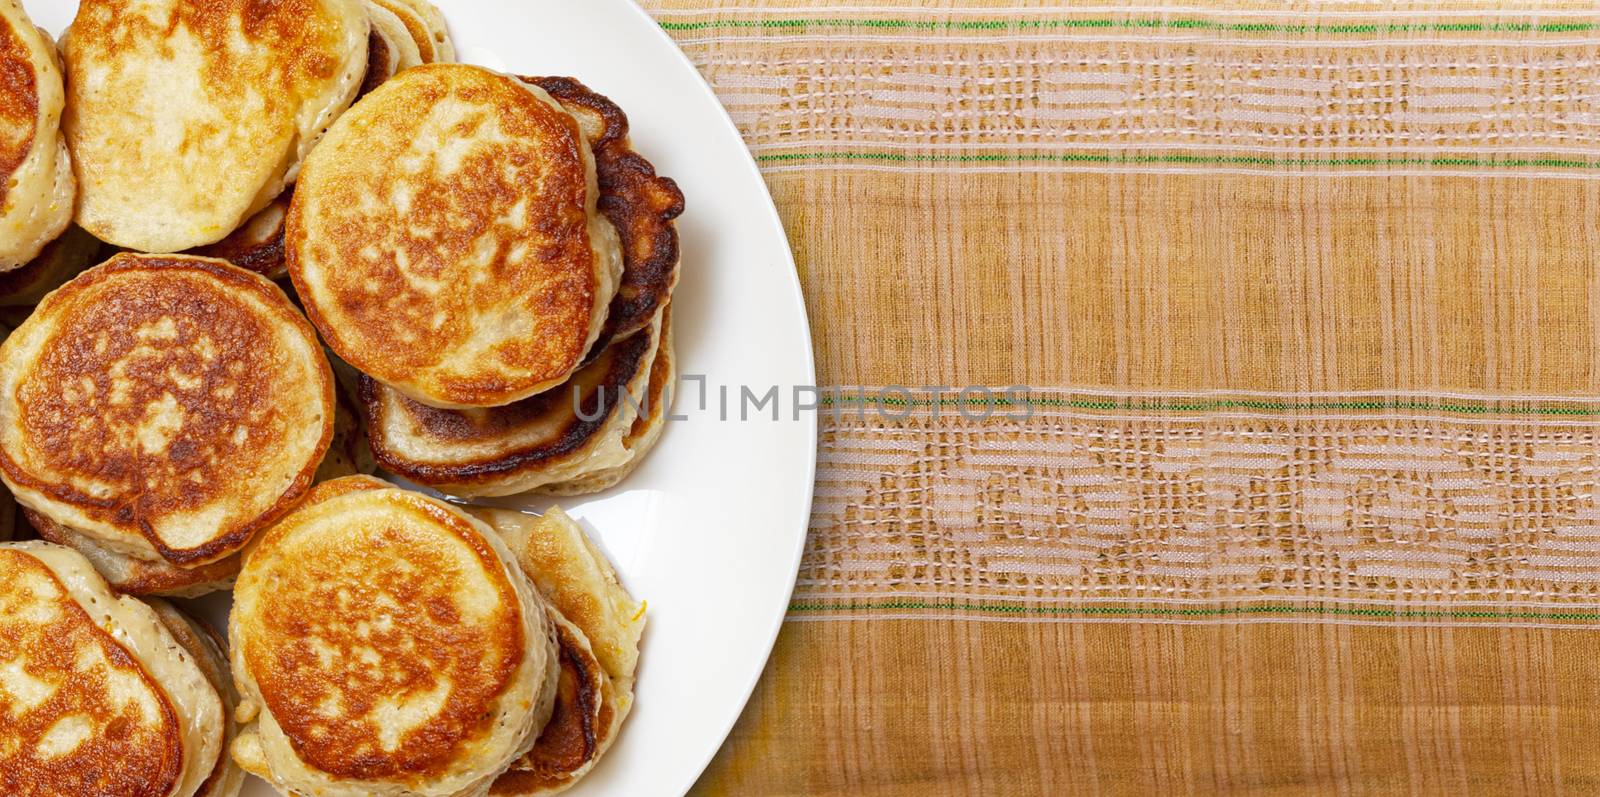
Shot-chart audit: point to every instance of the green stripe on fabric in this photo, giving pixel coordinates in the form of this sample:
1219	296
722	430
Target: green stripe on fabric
1268	609
1174	158
1215	405
1135	23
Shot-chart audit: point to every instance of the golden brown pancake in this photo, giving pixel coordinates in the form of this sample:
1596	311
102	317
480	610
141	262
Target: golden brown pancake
472	274
59	261
208	651
642	205
168	406
347	455
536	443
599	625
100	700
36	181
386	643
557	436
239	90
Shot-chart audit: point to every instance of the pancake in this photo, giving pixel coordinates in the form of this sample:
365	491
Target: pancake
555	437
599	625
647	425
59	261
185	119
36	181
474	274
100	699
347	455
426	27
131	575
640	204
385	643
206	649
167	406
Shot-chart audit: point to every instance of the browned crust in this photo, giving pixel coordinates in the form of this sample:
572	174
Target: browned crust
19	102
572	738
640	204
293	683
135	514
155	578
114	763
624	358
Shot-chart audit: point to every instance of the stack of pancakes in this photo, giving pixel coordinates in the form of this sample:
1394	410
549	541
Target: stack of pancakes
253	251
105	695
158	410
509	671
504	297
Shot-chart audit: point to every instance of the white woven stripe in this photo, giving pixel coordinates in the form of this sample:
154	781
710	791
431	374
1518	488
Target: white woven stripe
1287	105
937	615
1490	8
1028	168
1098	35
1202	507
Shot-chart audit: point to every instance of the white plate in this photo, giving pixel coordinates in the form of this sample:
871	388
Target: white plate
709	530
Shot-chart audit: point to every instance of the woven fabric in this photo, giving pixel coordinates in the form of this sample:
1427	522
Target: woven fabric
1303	493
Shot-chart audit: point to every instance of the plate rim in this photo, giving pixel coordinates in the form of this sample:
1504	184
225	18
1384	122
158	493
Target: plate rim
809	422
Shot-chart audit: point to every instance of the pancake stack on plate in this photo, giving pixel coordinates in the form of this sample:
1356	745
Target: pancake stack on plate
104	694
505	297
359	675
480	270
158	410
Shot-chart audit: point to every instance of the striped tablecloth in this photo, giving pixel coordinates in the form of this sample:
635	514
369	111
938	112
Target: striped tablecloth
1307	496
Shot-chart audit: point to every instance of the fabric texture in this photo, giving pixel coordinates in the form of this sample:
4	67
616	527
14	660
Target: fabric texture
1305	496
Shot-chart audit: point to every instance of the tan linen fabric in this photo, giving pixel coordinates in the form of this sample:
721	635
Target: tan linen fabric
1304	498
